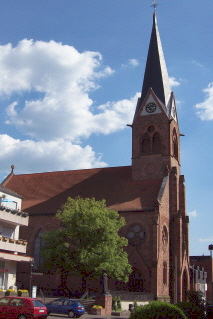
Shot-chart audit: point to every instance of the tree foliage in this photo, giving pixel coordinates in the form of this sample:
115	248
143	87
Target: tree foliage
87	242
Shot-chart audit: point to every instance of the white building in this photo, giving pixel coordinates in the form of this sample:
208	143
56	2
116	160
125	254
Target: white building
12	248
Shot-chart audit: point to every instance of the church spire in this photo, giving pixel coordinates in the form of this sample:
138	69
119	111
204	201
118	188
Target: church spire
156	75
155	129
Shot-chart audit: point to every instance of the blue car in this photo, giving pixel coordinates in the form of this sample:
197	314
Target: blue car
71	307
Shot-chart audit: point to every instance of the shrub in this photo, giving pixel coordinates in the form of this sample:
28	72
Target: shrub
195	306
135	305
116	303
191	310
97	307
158	310
8	292
22	291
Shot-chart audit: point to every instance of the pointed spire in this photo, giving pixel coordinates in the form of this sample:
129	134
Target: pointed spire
156	75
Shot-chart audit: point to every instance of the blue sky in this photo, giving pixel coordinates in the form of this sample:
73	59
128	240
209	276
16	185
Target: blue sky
70	72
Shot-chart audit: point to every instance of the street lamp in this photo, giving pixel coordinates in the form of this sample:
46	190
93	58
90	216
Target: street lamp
31	274
211	248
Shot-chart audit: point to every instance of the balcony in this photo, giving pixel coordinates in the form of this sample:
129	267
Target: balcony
12	216
13	245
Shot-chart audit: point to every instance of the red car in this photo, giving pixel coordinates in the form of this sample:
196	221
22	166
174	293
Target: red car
22	308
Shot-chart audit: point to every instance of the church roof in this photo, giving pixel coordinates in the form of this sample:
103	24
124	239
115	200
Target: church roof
156	75
45	193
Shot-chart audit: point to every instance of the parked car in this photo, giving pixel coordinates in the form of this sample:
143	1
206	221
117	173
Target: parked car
22	308
72	308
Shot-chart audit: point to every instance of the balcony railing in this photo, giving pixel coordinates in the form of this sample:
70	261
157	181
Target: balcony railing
14	245
13	211
14	216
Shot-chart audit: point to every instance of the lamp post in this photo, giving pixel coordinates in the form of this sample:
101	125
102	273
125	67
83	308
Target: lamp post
210	249
31	274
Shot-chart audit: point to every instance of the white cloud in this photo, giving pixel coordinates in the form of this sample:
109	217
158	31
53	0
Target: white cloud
59	79
193	213
198	64
48	86
173	82
133	62
31	156
206	240
205	108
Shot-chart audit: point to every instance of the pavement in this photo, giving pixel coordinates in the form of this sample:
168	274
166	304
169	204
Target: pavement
119	315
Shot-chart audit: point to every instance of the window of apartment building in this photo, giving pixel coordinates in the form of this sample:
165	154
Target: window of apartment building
7	231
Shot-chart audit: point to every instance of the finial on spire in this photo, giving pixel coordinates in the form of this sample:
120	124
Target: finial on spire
154	5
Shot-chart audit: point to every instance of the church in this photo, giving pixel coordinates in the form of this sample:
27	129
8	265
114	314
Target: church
149	194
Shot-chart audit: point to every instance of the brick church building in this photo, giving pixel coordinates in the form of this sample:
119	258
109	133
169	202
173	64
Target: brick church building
149	194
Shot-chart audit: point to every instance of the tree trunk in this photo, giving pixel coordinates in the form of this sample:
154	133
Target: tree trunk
63	289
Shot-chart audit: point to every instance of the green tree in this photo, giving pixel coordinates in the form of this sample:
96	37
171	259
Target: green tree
87	242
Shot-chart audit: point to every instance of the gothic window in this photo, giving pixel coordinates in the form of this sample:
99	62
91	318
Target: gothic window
184	285
175	144
135	235
156	143
146	144
164	273
151	141
38	244
164	237
135	282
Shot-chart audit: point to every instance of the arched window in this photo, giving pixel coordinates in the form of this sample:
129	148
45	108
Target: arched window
164	237
175	144
151	141
38	244
184	285
164	273
146	144
136	282
156	143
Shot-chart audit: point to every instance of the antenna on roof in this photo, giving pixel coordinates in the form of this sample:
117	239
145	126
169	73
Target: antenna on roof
154	5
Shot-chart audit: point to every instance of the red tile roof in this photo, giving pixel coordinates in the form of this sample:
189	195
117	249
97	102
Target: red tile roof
46	192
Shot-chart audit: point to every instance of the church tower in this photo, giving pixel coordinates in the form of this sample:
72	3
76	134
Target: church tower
155	131
156	158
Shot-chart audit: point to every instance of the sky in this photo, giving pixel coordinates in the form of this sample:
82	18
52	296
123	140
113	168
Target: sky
70	75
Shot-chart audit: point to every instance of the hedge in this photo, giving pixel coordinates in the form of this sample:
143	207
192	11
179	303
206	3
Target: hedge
158	310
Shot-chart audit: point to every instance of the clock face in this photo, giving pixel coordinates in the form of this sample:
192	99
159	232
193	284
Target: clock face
151	107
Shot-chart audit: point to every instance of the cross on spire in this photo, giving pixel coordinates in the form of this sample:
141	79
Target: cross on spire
154	5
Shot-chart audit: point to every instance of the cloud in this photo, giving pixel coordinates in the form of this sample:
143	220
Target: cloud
47	87
173	82
131	62
206	240
46	156
59	79
193	213
198	64
205	108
